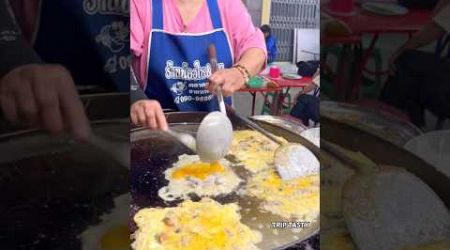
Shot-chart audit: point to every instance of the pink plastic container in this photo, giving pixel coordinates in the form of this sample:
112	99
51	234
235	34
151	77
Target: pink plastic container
274	72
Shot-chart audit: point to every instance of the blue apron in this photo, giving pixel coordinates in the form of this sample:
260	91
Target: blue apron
89	37
178	67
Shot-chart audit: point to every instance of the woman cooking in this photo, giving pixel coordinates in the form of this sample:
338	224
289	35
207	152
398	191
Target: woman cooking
169	43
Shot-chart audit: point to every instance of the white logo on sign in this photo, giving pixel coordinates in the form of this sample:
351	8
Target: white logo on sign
178	87
197	72
114	36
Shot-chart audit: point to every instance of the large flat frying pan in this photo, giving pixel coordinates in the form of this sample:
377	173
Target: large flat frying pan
371	120
385	152
52	188
153	152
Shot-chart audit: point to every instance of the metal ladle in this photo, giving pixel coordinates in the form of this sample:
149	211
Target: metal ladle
214	137
215	132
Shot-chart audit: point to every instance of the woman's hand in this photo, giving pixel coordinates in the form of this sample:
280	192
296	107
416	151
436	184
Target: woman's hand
230	80
148	113
43	96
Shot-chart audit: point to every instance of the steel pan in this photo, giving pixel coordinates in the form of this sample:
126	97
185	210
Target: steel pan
381	151
370	120
385	152
153	152
52	188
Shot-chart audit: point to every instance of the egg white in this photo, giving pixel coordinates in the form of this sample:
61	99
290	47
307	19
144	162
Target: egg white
119	216
214	185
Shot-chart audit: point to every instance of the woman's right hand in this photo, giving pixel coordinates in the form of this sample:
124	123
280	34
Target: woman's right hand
148	113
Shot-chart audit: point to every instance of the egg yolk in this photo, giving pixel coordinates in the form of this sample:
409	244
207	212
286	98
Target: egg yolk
199	170
211	229
116	238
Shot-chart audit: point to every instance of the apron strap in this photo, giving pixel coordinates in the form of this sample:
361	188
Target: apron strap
157	13
215	14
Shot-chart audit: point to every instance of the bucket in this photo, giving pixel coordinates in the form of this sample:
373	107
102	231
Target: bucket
274	72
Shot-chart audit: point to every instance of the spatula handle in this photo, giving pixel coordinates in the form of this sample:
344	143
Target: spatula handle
254	126
212	54
343	156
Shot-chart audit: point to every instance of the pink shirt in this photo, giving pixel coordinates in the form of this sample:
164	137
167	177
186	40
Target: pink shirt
235	19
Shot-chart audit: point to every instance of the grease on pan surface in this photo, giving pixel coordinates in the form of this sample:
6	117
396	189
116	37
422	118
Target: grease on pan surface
191	176
193	225
254	151
336	239
279	200
437	245
297	198
112	232
337	234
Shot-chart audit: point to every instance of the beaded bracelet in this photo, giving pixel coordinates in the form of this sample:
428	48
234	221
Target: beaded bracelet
244	72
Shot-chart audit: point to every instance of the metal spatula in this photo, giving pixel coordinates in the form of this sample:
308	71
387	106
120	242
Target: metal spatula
292	160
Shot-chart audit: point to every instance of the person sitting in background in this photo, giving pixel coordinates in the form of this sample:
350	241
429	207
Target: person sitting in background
306	107
271	43
421	80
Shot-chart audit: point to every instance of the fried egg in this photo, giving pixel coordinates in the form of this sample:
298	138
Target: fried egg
297	198
191	176
253	150
112	232
193	225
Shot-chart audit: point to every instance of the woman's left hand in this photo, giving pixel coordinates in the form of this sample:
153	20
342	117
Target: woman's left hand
230	80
